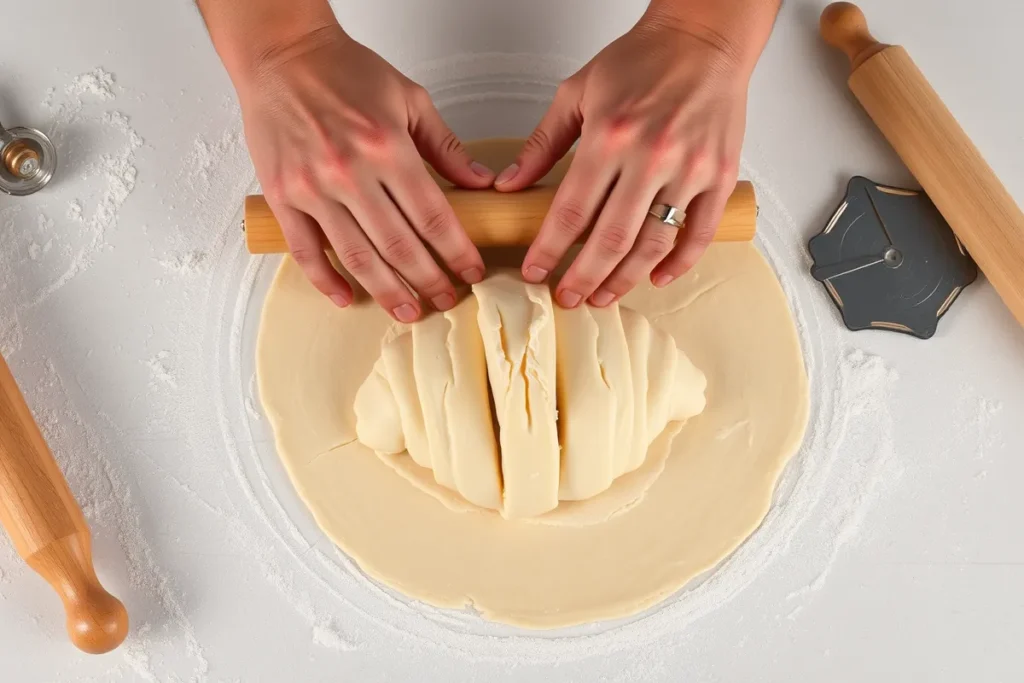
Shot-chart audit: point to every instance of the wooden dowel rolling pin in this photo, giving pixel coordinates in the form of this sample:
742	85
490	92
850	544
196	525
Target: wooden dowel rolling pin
935	148
493	218
47	526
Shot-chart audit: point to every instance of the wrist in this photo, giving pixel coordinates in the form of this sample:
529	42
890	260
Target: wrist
737	29
250	34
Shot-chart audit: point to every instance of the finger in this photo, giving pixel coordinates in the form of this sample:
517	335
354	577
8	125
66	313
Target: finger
549	142
573	210
399	246
702	219
654	242
441	148
303	237
611	240
432	217
358	257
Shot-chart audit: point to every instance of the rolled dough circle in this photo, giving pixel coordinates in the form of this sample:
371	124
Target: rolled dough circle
729	315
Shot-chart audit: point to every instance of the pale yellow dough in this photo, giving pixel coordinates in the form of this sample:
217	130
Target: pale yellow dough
427	402
675	516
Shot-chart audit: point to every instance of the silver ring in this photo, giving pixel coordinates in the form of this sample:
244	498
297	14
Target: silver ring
669	215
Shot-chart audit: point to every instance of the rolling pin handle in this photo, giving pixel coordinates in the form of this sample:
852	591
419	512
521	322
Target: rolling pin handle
844	27
97	622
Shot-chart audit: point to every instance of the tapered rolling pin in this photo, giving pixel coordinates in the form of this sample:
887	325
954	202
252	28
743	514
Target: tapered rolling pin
924	133
493	218
48	528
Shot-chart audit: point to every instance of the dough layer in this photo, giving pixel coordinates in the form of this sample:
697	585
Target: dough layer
506	344
731	318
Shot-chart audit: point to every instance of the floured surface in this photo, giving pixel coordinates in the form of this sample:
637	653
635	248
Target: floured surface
711	494
140	370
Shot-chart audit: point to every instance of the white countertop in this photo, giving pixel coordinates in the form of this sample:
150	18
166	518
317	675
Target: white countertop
127	313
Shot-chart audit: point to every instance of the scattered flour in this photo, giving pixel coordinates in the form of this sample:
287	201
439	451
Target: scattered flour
187	263
97	82
865	382
158	365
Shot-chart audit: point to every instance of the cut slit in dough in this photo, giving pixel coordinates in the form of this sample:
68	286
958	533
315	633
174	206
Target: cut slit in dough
572	403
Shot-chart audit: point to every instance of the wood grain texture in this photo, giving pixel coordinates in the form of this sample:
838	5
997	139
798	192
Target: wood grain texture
937	151
47	527
493	218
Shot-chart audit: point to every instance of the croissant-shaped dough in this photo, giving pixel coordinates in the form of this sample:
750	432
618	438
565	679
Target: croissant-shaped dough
517	404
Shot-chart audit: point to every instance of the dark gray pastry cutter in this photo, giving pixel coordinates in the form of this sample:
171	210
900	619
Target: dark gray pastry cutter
889	260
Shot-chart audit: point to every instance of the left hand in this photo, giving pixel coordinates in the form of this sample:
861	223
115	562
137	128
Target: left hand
660	114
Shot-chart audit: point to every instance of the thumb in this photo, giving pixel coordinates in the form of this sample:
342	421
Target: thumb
550	141
440	148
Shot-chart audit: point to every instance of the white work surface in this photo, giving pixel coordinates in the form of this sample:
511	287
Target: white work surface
127	312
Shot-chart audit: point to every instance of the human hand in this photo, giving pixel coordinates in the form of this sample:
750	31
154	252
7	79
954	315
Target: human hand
338	138
660	116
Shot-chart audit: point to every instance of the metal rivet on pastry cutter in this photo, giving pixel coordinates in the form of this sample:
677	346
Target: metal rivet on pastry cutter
27	160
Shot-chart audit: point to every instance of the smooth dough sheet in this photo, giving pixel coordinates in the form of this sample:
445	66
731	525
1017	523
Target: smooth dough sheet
703	492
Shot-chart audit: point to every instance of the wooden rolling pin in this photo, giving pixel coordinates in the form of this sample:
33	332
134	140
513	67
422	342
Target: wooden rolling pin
47	526
493	218
936	150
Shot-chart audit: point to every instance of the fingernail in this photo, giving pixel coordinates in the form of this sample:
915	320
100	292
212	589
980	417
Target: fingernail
339	300
406	313
535	274
481	170
507	175
471	276
602	298
568	298
442	302
662	279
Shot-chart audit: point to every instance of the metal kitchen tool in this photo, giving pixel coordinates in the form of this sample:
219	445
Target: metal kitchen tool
27	160
889	260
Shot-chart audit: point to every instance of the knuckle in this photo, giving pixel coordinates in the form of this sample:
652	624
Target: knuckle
420	96
703	235
435	223
307	257
617	132
355	258
540	139
656	246
276	190
619	284
614	239
435	284
338	168
398	250
302	184
696	163
450	144
566	89
583	282
377	139
728	173
662	142
570	218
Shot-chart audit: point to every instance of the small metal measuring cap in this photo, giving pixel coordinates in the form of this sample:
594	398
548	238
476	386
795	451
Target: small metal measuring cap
889	260
27	160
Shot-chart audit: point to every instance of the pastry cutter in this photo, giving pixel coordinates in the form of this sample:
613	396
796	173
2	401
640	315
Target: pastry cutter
889	260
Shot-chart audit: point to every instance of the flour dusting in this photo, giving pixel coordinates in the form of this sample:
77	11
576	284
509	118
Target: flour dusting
159	366
866	382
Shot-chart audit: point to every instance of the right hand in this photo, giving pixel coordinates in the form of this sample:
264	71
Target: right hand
338	138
